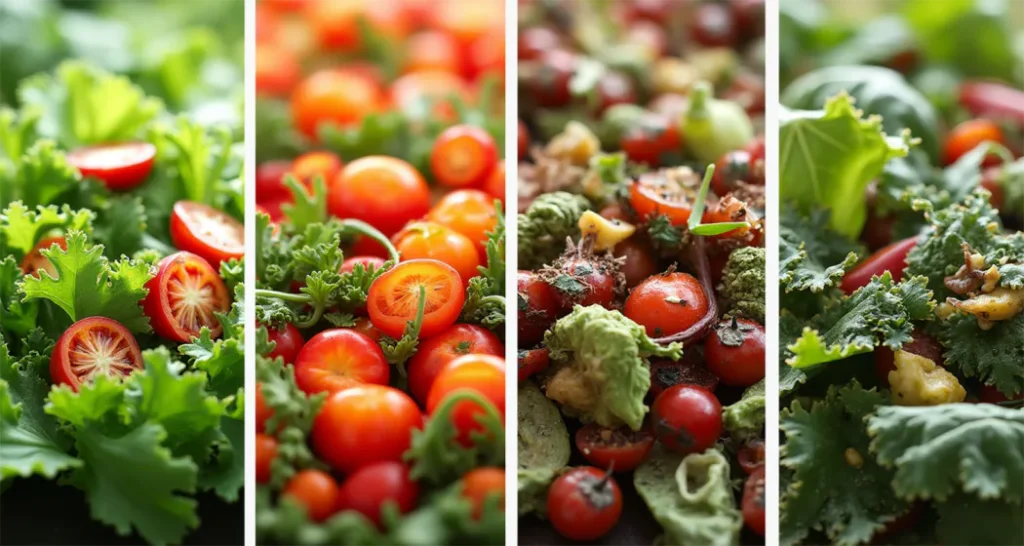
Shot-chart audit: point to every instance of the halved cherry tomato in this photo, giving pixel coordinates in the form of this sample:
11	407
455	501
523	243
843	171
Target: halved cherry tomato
689	370
432	50
436	352
314	490
364	425
968	135
430	240
481	484
753	501
538	307
892	258
666	304
183	297
207	232
371	487
920	344
384	192
119	166
494	184
584	503
751	456
337	359
269	180
484	374
734	351
532	361
463	155
266	451
34	260
471	213
687	419
288	342
333	96
615	449
408	92
654	193
91	347
327	165
393	299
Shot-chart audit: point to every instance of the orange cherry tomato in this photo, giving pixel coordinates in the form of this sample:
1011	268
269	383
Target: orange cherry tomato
653	194
968	135
393	299
310	164
487	55
34	260
266	451
469	212
408	92
277	71
468	20
482	373
463	156
481	484
432	240
435	353
316	491
91	347
333	96
432	50
494	184
335	23
384	192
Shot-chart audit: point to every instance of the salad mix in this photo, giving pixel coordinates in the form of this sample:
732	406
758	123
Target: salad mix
642	272
121	331
902	275
380	273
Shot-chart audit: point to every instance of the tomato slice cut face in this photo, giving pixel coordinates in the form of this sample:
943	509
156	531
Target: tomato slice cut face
92	347
119	166
207	232
394	297
183	297
670	193
34	260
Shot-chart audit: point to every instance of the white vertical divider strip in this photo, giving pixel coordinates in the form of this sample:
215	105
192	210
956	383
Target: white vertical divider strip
771	274
511	266
249	174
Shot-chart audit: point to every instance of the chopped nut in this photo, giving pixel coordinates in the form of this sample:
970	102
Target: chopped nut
853	457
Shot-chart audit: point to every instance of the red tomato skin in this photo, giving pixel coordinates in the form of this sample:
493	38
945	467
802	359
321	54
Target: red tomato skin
189	222
463	156
266	451
522	140
494	184
542	304
156	306
753	501
289	341
573	515
713	25
651	143
647	304
485	374
61	372
550	86
333	96
687	419
534	41
921	344
340	358
277	71
430	240
470	212
533	361
129	173
892	258
363	425
34	260
369	488
968	135
270	181
617	458
436	352
751	456
991	395
310	164
736	366
316	490
384	192
480	484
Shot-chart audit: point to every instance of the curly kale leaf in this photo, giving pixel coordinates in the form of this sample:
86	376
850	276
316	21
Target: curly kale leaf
39	177
835	487
743	283
994	356
546	224
812	257
964	519
22	228
938	451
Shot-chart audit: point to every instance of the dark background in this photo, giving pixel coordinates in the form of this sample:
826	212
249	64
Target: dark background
39	511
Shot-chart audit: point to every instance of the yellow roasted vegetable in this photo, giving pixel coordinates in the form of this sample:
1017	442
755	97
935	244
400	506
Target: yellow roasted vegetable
918	381
607	233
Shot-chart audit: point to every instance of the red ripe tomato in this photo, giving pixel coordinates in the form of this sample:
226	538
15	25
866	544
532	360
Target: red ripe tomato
534	41
393	299
371	487
666	304
333	96
494	184
119	166
463	156
753	501
436	352
538	307
364	326
749	15
266	451
487	55
471	213
207	232
91	347
756	151
311	164
616	449
34	260
653	194
751	456
481	484
523	140
314	490
363	425
584	503
641	262
484	374
368	262
548	85
277	70
263	411
409	91
269	181
666	374
335	23
337	359
991	395
430	240
384	192
968	135
921	344
432	50
596	278
713	25
892	258
183	297
687	419
288	342
532	361
735	352
653	141
733	167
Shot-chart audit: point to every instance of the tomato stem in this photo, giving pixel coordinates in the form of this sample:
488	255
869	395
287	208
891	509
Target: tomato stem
369	231
318	306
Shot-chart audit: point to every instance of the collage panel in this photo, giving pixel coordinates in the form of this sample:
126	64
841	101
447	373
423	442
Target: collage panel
380	272
641	273
902	340
121	268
